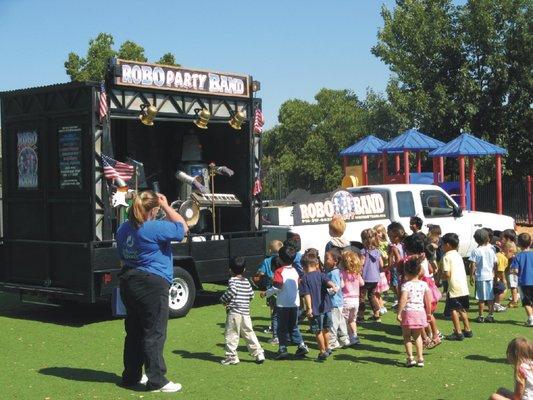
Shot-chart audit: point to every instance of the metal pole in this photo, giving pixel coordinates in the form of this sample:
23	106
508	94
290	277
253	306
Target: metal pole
212	176
397	163
462	191
441	169
472	173
385	168
406	165
345	164
419	162
499	199
365	169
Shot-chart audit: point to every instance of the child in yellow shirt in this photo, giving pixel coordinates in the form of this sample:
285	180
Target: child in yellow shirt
507	252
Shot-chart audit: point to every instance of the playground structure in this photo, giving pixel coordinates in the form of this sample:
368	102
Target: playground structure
412	140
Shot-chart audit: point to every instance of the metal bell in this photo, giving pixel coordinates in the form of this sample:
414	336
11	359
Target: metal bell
203	118
148	113
236	120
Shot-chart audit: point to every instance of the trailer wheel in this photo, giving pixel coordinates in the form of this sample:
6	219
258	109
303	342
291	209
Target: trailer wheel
181	293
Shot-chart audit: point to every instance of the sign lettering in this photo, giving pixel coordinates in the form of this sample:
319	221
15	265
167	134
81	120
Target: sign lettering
180	79
351	206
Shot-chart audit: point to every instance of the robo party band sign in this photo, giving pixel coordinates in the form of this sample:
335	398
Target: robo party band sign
351	206
182	80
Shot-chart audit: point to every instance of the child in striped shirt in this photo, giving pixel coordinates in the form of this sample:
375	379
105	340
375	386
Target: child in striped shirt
236	299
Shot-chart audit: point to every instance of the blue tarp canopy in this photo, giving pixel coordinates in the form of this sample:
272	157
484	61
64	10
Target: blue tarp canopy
412	140
369	145
468	145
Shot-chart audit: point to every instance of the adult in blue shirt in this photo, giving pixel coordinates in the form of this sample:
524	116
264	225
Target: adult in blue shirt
145	250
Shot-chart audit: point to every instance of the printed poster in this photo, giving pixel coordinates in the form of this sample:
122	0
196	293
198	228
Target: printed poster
27	160
69	152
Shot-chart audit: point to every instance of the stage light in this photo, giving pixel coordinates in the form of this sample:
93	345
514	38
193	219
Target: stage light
203	118
256	86
236	120
148	113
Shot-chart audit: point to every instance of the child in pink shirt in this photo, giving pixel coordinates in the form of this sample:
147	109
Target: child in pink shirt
351	280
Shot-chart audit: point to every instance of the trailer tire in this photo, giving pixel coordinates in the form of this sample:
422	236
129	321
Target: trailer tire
182	293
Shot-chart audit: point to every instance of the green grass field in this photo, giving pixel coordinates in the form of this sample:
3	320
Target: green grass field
54	353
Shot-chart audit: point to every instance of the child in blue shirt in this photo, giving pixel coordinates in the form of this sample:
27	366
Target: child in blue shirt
263	280
482	265
522	265
314	289
338	333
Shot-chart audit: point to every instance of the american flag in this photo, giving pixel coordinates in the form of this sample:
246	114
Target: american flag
259	121
257	187
116	169
102	109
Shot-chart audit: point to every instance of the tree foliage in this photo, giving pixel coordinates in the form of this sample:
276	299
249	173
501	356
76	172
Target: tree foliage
93	66
453	68
463	68
303	148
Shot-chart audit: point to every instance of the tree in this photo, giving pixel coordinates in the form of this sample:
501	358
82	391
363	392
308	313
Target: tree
168	59
131	51
303	148
420	42
463	68
93	66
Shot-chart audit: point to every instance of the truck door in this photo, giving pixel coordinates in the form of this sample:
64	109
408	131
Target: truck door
438	209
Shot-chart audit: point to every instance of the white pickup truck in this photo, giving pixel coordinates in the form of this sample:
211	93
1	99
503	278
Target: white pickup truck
366	206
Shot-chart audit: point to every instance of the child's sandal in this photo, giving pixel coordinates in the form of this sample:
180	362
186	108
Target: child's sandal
420	363
410	362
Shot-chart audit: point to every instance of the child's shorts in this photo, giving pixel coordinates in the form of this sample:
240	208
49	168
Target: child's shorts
513	281
383	284
414	319
499	288
350	309
458	303
485	290
321	322
527	295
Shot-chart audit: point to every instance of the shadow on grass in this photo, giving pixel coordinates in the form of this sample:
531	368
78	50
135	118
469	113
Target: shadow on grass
366	359
479	357
205	356
81	374
389	329
381	338
377	349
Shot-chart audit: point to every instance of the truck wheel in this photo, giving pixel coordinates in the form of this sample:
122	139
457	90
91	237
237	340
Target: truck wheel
181	293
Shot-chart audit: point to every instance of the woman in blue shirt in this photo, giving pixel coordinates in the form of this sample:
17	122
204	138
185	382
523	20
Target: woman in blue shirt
144	246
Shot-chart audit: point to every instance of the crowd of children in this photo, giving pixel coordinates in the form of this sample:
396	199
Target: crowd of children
355	277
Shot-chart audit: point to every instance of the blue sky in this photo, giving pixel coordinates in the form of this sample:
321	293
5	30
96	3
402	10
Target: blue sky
293	47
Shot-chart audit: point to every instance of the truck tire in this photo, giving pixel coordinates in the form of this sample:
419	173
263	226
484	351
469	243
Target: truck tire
182	293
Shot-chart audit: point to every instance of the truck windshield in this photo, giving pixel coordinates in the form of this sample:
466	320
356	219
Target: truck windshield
435	203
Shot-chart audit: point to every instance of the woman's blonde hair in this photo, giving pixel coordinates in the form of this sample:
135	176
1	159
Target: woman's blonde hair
519	350
337	226
351	262
143	203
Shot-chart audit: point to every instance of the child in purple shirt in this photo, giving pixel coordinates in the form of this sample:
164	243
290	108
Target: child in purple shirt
371	267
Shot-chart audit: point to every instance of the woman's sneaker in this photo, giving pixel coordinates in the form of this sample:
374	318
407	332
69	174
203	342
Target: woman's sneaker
260	359
229	361
170	387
